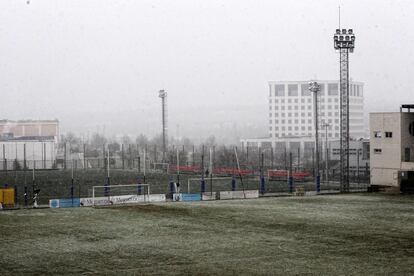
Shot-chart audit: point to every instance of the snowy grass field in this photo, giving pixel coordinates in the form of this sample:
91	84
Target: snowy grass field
360	234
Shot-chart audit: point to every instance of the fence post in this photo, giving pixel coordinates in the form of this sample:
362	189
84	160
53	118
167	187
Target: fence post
84	156
122	155
290	173
16	198
25	196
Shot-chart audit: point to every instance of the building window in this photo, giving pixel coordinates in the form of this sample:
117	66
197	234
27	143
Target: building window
377	134
388	134
292	89
276	114
279	90
332	89
305	90
321	89
377	151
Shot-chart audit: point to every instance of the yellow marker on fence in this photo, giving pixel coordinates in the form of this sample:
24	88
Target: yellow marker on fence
7	197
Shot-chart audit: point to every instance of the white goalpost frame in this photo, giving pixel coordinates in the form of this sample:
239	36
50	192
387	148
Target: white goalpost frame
199	180
117	186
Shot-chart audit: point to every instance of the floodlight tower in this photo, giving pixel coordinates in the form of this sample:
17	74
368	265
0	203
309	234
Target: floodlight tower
163	95
344	42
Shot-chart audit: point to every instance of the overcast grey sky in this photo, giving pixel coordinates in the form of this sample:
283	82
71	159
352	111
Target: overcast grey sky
63	57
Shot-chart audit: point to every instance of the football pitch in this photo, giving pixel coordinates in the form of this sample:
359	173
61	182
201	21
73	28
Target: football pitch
355	234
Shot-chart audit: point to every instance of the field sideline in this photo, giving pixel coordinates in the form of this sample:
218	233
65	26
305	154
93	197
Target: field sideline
364	234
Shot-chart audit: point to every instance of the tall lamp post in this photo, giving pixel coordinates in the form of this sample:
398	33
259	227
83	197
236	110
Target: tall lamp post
315	88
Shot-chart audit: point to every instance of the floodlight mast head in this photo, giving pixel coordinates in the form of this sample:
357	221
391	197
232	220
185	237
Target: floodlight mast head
162	94
344	39
314	86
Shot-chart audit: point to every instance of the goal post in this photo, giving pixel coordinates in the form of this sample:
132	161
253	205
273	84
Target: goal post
120	194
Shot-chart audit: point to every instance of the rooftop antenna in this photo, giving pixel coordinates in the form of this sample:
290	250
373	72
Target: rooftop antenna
339	17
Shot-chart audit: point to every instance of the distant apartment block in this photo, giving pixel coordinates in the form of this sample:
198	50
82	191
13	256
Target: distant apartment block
291	109
291	115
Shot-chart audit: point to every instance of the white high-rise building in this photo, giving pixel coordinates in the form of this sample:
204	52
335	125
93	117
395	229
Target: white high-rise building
291	109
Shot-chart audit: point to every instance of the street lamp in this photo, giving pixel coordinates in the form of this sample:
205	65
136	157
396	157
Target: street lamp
315	88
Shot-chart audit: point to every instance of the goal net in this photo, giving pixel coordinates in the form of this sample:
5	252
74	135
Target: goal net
120	194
